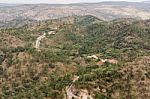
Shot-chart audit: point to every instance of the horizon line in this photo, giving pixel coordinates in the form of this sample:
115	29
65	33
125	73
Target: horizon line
73	3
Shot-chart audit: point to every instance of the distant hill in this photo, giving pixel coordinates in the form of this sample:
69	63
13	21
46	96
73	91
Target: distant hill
103	10
7	5
148	1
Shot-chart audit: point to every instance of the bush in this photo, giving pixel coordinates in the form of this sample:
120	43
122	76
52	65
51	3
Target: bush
1	59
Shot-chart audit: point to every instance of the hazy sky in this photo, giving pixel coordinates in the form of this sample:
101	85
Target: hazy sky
59	1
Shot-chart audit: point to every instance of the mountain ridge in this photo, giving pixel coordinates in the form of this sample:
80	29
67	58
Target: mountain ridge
103	10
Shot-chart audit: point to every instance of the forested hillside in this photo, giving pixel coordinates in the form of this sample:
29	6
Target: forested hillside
111	59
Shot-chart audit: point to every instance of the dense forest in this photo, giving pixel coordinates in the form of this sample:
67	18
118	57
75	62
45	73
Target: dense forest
44	73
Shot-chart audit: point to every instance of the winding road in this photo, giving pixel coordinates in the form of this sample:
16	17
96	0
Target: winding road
38	40
69	89
83	94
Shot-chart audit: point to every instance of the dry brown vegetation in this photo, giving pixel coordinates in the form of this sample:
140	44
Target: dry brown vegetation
28	73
